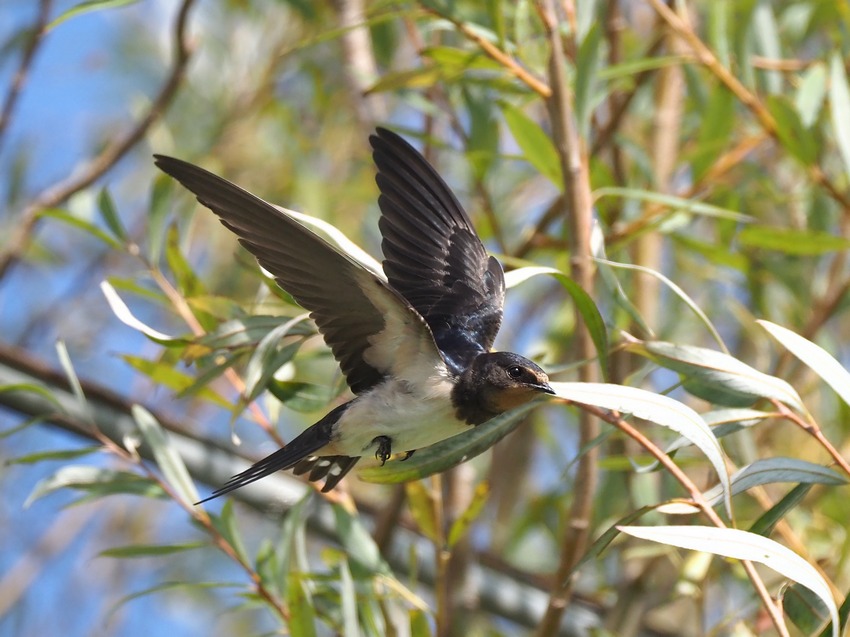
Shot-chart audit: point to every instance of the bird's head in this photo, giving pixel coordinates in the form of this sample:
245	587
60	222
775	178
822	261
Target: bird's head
498	381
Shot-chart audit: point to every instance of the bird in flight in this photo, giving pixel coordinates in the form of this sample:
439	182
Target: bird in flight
414	346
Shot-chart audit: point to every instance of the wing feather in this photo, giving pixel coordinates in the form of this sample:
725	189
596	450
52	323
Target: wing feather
432	254
371	329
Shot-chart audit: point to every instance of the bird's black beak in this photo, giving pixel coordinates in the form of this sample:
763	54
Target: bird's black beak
544	387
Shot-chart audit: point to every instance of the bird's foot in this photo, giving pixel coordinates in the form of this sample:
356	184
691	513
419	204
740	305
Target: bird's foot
385	449
407	454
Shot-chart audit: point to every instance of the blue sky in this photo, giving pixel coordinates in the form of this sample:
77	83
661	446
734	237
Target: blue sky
74	88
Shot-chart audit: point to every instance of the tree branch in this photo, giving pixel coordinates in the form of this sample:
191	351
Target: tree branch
92	171
577	210
39	30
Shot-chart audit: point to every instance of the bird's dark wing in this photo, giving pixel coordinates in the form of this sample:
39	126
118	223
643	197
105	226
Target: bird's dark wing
371	330
432	254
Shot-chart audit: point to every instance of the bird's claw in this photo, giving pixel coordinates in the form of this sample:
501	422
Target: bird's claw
407	454
385	449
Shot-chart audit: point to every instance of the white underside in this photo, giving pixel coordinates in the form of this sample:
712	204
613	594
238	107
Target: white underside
411	419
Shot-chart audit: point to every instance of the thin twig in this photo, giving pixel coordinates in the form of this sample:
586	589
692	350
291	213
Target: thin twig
510	64
39	30
56	194
811	428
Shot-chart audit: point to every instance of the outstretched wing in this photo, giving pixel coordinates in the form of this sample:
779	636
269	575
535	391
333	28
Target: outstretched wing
432	254
371	329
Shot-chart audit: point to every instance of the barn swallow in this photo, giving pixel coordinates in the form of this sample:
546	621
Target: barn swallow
413	344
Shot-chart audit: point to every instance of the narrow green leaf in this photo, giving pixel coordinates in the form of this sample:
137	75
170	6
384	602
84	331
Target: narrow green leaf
158	210
450	452
609	278
741	545
419	624
770	518
496	13
416	78
536	145
267	567
302	615
723	422
135	287
776	470
454	61
482	143
839	104
629	68
815	357
225	524
422	507
804	608
671	201
300	396
68	218
220	307
41	390
250	330
269	357
351	627
187	282
151	550
655	408
357	542
602	542
63	454
718	29
84	7
24	425
289	559
796	139
170	586
123	314
718	122
203	379
718	377
767	36
696	309
584	303
95	481
473	510
791	240
109	214
167	458
165	374
811	94
71	375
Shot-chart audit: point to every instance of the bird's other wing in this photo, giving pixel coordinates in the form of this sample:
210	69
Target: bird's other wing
432	254
371	329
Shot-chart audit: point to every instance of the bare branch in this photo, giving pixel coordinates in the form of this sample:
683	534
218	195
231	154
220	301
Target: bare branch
97	167
39	30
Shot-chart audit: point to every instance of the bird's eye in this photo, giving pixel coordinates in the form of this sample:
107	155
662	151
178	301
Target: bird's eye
515	371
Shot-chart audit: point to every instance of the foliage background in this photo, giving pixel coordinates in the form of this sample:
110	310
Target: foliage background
740	105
